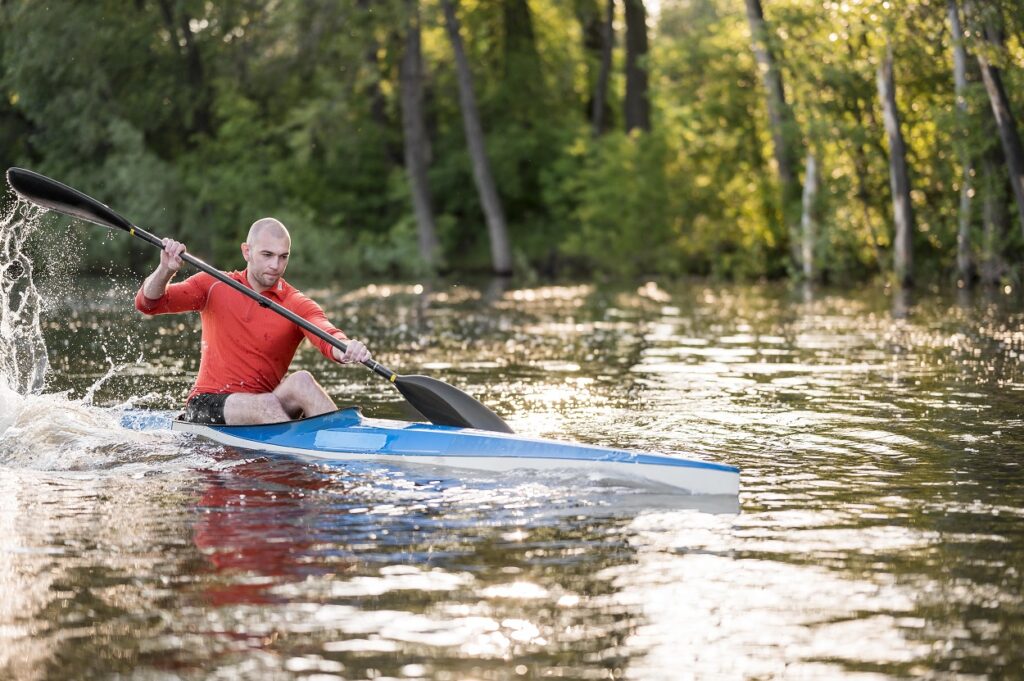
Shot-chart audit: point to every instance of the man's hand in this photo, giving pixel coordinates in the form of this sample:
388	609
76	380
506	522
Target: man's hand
170	262
170	256
355	352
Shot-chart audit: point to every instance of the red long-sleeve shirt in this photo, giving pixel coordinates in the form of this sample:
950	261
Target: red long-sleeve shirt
246	348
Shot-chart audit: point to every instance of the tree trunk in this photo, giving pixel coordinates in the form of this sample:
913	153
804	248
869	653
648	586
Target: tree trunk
501	255
899	178
373	92
599	105
180	28
414	135
521	43
995	219
809	218
638	107
780	120
315	21
964	257
372	89
1008	135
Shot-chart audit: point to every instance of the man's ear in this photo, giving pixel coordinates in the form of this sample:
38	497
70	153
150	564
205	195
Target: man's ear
245	251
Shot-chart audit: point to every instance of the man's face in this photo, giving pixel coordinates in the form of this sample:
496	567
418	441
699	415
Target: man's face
267	256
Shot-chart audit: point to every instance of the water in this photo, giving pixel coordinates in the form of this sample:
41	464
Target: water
23	360
878	533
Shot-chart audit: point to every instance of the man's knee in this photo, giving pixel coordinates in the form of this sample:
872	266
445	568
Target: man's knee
300	393
299	383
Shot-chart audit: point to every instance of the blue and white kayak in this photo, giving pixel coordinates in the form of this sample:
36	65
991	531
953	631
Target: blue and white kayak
346	435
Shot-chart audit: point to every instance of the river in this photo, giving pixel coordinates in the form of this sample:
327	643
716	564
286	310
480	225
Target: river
878	533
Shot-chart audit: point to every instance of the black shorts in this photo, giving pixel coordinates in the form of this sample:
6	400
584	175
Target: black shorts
206	408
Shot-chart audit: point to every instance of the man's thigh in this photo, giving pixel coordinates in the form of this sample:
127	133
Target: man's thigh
247	408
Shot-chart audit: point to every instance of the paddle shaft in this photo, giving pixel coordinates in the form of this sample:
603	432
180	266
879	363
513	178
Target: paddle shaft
304	324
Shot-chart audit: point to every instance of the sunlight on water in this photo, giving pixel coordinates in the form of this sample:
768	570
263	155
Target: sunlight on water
877	533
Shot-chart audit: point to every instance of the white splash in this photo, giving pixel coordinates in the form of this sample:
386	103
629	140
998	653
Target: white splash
50	431
23	359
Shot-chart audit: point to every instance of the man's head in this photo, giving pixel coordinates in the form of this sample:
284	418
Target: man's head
266	251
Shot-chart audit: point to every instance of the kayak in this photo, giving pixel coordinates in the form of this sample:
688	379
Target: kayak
346	435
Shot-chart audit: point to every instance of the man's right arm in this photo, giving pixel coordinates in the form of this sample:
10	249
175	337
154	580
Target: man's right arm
155	285
156	297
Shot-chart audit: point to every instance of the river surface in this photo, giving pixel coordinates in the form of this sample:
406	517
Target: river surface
878	533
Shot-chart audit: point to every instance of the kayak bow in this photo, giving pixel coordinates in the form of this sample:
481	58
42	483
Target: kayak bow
346	435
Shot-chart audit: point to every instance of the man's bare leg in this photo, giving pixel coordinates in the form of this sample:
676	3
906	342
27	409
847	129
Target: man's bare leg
298	395
301	395
243	409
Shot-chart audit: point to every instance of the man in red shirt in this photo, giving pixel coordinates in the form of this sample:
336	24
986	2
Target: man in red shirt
247	348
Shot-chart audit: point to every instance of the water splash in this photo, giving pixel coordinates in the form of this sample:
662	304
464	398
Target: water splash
23	360
50	430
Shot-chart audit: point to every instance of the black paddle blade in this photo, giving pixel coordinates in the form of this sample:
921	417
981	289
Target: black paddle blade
57	196
446	405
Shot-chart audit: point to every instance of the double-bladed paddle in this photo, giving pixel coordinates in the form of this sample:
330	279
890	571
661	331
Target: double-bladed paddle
438	401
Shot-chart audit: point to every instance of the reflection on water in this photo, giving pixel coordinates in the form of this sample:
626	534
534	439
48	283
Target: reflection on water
878	533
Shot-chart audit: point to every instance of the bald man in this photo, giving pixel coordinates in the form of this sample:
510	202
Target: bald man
247	348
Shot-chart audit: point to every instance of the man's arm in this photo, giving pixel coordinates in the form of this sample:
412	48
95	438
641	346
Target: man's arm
355	352
155	285
158	296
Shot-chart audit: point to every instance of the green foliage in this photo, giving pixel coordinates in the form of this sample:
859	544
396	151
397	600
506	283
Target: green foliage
622	203
199	121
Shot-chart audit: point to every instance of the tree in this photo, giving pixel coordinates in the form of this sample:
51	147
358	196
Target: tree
599	102
964	257
995	217
501	254
637	104
781	124
371	57
521	58
414	136
180	24
899	177
809	217
1001	109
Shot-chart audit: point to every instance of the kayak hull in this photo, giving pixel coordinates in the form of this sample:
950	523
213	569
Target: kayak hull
346	435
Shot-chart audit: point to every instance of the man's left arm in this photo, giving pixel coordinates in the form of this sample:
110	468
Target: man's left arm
355	352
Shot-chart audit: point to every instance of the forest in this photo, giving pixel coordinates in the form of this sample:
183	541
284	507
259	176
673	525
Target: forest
824	140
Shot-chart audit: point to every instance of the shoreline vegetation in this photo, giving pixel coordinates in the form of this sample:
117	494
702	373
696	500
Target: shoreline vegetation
835	142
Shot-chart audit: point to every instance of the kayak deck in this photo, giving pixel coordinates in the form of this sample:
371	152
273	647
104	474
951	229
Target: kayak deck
346	435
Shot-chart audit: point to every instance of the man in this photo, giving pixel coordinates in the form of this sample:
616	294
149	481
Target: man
247	348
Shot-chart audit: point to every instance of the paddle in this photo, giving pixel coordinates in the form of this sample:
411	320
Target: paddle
439	402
